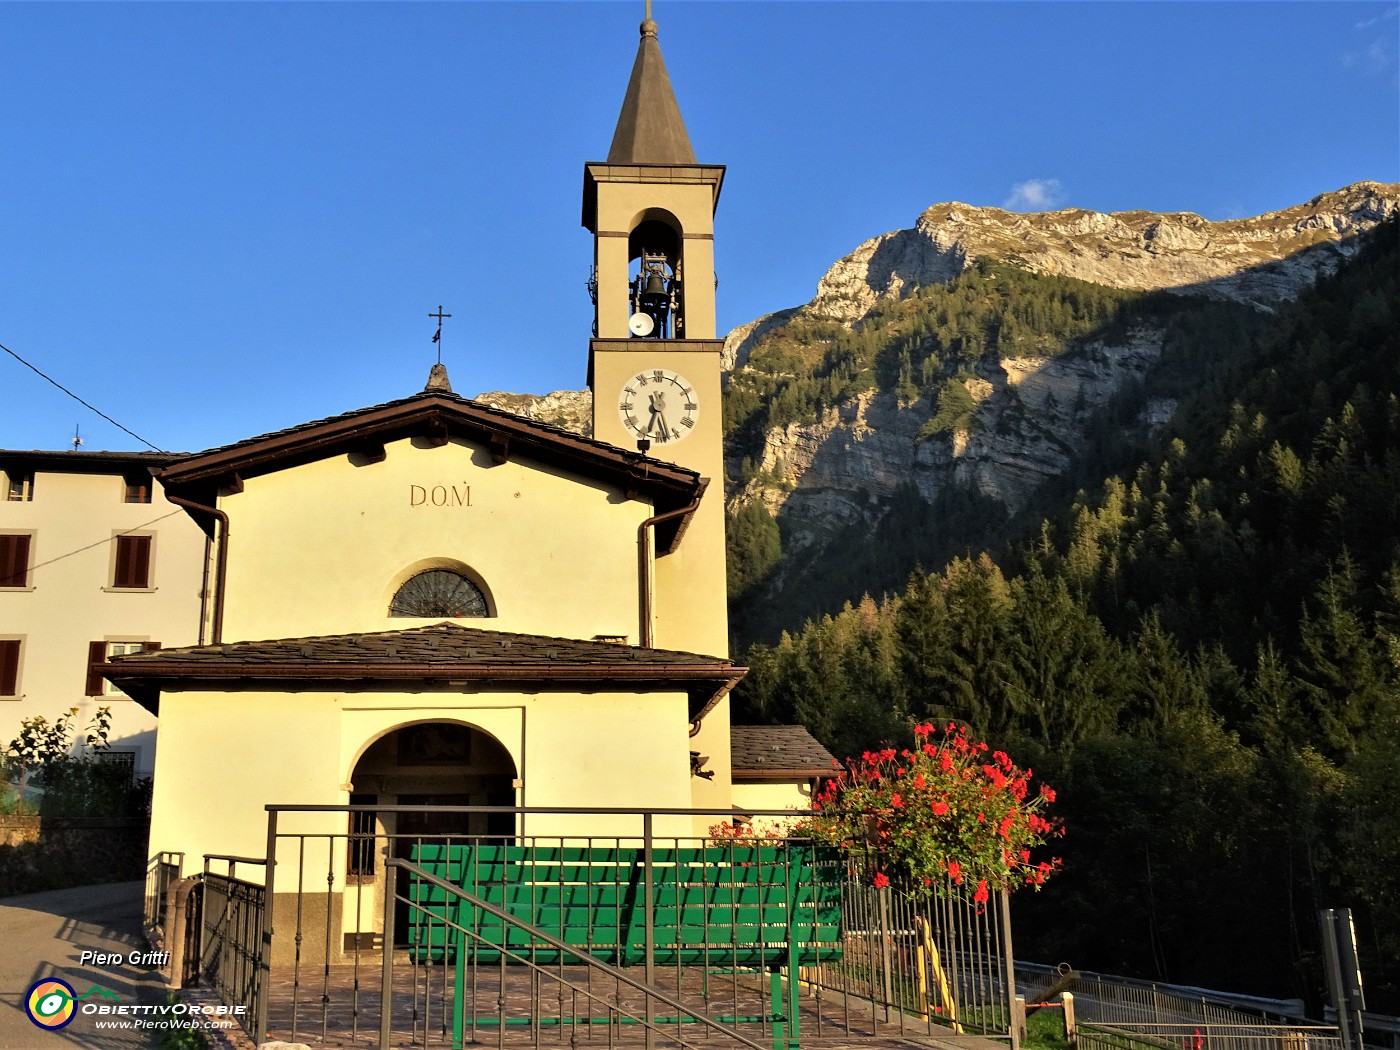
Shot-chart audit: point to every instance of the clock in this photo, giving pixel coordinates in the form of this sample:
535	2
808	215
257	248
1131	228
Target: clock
658	405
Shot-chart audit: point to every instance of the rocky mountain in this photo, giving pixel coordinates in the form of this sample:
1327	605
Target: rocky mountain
833	469
925	367
1258	260
569	409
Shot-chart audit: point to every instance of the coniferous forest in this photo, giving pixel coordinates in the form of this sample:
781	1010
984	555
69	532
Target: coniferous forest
1199	651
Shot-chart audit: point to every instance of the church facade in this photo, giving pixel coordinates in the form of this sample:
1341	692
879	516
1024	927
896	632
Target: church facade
431	601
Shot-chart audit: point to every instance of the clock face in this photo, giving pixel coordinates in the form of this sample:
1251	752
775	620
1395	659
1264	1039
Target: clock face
658	405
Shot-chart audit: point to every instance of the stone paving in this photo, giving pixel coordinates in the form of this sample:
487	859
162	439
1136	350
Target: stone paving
339	1007
44	935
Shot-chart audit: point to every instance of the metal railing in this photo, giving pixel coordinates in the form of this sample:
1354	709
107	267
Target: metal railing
319	951
917	964
1105	999
587	992
1147	1036
232	913
162	871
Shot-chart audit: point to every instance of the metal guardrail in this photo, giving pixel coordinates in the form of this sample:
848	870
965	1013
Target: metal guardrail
162	871
609	1006
312	952
231	917
1101	998
919	964
1144	1036
1112	1000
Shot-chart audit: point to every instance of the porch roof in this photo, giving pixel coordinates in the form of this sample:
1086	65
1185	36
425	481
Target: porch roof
446	653
777	753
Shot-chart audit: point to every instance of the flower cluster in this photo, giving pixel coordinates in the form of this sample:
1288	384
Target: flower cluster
950	808
758	832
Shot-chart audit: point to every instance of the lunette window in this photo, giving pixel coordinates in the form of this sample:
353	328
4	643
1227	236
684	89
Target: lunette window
439	592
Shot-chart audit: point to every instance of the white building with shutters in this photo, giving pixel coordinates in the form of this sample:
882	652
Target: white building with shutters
94	562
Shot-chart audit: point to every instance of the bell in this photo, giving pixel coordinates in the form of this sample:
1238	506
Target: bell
655	288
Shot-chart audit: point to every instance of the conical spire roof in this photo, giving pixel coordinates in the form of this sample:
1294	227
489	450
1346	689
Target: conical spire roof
650	129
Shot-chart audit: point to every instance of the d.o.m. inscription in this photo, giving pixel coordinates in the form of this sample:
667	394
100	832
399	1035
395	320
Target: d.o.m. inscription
440	495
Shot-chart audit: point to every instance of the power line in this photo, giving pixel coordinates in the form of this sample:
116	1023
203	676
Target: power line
76	398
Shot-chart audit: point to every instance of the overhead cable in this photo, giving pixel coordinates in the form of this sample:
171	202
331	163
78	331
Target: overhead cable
76	398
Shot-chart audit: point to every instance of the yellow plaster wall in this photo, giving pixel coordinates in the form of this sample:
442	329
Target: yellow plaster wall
754	795
224	756
320	548
596	750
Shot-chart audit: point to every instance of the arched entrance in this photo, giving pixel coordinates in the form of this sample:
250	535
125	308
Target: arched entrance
428	764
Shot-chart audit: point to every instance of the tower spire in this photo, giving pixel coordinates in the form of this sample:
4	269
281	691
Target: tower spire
650	129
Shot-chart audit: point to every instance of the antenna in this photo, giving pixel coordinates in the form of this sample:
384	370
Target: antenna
77	438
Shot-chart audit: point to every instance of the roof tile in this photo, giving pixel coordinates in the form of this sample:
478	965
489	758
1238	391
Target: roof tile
756	750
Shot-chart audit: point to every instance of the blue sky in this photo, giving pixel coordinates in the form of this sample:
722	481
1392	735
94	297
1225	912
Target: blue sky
218	219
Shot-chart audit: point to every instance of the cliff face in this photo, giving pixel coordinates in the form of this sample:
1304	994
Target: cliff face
1031	418
1032	413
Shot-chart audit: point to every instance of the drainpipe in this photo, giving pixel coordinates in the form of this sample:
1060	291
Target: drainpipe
221	569
644	564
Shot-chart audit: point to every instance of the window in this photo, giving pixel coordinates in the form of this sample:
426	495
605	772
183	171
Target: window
122	763
14	559
439	592
138	489
19	486
363	828
119	649
9	666
132	568
100	653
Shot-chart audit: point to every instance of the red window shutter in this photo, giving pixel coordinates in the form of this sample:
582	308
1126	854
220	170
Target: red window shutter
9	667
149	647
133	567
97	654
14	561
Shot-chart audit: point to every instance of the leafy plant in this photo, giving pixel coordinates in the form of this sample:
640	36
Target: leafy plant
43	745
947	809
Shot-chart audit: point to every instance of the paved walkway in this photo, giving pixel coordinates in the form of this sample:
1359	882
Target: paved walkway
44	935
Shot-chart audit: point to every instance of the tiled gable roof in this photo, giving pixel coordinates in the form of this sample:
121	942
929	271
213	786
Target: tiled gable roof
437	416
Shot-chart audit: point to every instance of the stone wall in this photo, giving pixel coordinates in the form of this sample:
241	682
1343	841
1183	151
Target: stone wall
39	853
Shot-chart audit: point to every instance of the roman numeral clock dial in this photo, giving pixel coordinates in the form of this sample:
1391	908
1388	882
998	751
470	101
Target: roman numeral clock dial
658	405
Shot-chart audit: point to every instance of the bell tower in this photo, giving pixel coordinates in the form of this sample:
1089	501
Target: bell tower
654	360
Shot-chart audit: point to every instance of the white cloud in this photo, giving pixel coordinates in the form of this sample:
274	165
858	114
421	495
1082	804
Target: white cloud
1387	14
1035	195
1378	57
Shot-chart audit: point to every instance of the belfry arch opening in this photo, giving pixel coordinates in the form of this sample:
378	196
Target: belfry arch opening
656	276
